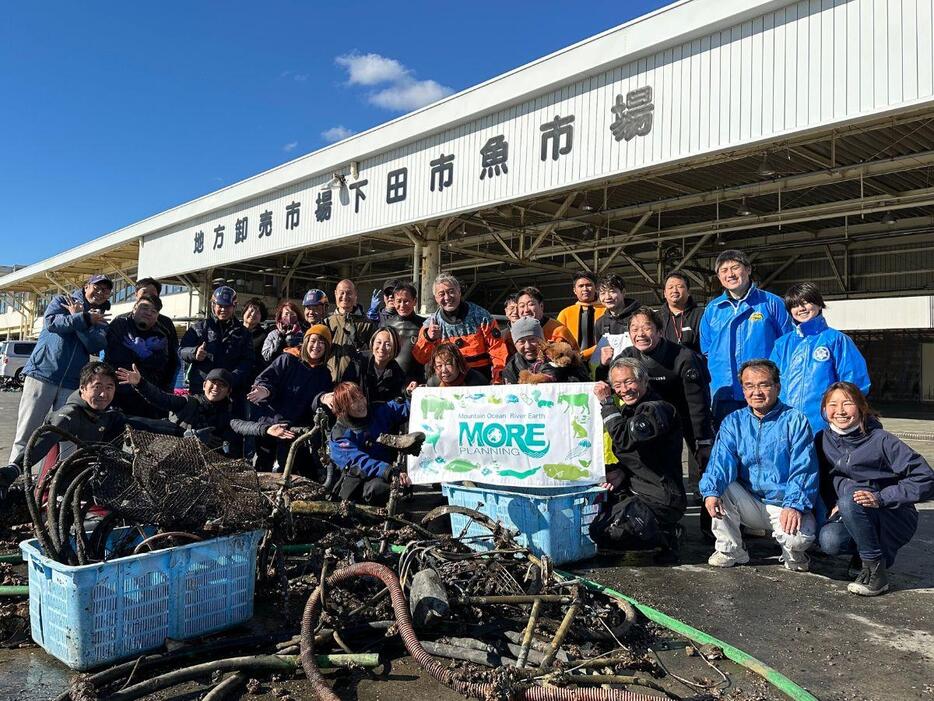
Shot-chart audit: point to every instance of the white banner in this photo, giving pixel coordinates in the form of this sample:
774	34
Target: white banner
548	435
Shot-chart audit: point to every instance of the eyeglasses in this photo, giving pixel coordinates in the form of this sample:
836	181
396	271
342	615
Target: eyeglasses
761	386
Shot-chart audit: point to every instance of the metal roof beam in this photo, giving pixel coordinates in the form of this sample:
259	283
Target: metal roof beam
791	260
550	226
833	266
503	259
631	235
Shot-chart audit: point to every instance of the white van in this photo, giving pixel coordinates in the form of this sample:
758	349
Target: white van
13	356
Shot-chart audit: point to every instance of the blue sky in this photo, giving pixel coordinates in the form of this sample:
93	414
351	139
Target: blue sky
114	111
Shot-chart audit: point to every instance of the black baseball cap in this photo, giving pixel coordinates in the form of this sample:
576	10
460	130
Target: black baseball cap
221	375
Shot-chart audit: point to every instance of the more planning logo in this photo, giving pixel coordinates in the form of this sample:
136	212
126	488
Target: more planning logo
498	438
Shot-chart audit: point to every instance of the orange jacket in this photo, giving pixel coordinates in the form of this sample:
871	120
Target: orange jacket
476	335
570	317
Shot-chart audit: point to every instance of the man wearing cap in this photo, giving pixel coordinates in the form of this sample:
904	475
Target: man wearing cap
382	303
315	304
350	332
741	324
206	416
74	328
528	337
219	341
646	499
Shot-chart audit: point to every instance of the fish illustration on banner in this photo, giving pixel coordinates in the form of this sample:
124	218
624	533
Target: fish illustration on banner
543	435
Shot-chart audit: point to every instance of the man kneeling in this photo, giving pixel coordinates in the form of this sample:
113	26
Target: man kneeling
762	473
647	498
88	416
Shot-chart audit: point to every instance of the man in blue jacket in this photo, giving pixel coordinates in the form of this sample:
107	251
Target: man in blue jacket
219	341
742	323
762	473
74	328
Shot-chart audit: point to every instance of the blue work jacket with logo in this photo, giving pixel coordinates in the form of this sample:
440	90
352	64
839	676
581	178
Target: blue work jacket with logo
736	330
811	358
773	458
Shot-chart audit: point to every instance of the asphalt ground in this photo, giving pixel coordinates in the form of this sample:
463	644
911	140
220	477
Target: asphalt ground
838	646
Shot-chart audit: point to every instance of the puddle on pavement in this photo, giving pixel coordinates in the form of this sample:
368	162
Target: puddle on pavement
29	673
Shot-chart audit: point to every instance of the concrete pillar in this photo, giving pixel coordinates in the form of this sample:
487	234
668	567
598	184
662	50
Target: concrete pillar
431	266
204	296
417	266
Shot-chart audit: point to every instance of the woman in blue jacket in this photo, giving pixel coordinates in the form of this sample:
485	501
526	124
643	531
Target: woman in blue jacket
812	356
870	481
366	466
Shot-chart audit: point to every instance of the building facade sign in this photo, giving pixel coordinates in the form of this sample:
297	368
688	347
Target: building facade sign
791	69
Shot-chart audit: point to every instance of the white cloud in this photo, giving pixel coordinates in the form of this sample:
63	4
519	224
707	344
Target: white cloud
403	92
298	77
338	133
371	69
291	146
410	95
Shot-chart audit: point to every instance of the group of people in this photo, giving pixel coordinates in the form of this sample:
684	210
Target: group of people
769	400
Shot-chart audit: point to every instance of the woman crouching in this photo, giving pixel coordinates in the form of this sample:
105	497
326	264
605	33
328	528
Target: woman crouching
870	481
366	466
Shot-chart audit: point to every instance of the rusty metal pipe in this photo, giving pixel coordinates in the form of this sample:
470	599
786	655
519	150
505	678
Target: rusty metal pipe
529	632
561	632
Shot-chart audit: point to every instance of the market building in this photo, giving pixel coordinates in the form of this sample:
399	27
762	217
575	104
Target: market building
800	132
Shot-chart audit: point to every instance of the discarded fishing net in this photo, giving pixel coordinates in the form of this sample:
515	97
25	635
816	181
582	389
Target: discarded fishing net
179	484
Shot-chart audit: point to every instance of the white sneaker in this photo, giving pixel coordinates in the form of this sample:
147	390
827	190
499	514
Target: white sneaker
801	563
719	559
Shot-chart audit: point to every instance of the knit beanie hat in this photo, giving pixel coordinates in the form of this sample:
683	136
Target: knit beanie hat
526	326
320	330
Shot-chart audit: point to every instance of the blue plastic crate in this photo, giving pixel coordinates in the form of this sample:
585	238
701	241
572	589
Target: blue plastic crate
93	614
551	521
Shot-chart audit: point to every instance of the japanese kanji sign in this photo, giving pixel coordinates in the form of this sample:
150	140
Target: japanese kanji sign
500	159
